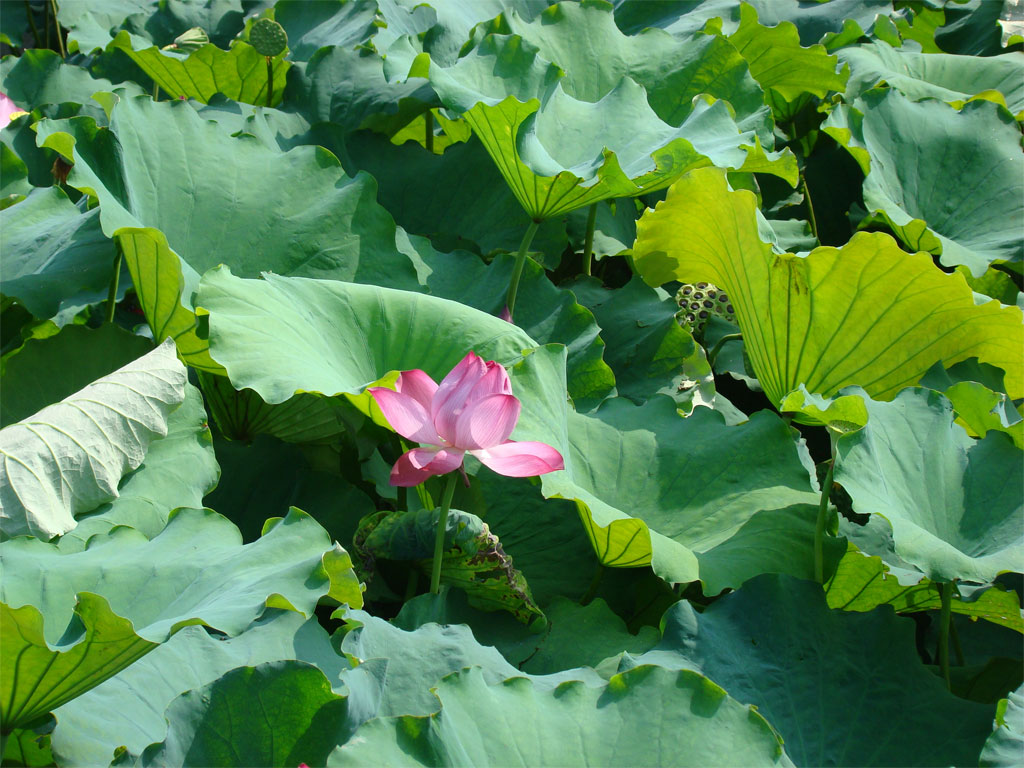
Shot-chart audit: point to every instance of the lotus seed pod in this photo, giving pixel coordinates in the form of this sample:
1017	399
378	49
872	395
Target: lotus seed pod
268	38
699	301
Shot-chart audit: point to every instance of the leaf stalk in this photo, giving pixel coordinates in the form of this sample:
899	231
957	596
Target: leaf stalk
945	614
517	272
713	354
588	241
56	23
114	280
442	523
819	526
270	82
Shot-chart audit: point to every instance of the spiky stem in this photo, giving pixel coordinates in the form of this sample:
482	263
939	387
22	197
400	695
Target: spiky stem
946	592
713	354
114	280
56	23
428	136
32	23
442	523
810	206
517	271
595	582
270	82
588	241
819	527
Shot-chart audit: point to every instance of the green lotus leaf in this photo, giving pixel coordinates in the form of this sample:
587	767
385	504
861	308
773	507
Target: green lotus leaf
30	746
973	28
646	716
247	494
312	26
179	469
276	713
979	398
801	322
818	23
558	153
1003	747
547	314
416	661
40	76
780	64
576	638
69	457
474	204
840	415
772	541
128	709
994	283
584	42
648	350
584	635
45	370
775	645
90	614
169	217
954	511
13	24
862	583
542	536
979	409
660	494
40	676
473	560
357	334
348	87
91	26
959	199
23	156
56	258
15	185
239	74
303	418
953	79
441	29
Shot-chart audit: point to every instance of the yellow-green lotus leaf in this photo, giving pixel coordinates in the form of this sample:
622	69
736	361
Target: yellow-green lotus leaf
867	314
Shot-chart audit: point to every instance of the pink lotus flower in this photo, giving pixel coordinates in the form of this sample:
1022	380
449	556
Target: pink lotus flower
7	108
472	411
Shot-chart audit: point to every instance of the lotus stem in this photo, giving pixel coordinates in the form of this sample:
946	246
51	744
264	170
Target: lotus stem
442	523
428	136
32	23
957	648
588	240
819	527
810	207
411	584
946	592
56	23
270	82
713	354
595	582
115	278
517	272
156	91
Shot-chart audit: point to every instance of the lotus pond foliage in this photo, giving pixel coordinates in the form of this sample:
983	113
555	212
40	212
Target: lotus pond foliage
498	382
